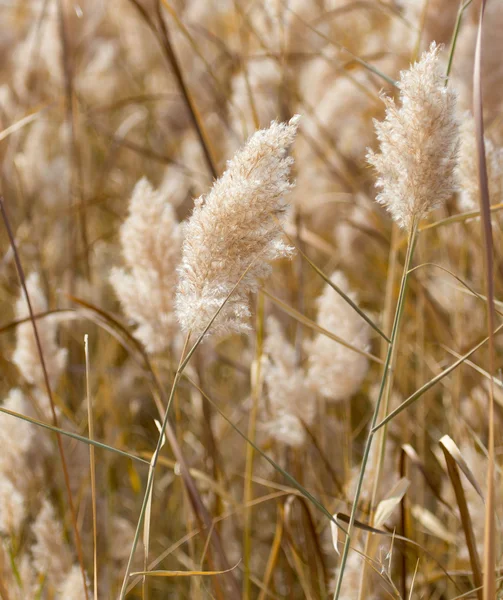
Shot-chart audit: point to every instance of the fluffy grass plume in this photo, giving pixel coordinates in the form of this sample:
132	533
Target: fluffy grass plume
151	240
236	225
418	143
152	179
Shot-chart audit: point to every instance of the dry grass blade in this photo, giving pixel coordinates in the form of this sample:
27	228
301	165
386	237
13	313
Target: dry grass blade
364	526
273	556
92	465
412	455
75	436
485	203
337	289
75	183
416	395
310	550
357	59
22	279
446	443
458	218
19	124
413	580
161	33
462	7
473	592
181	573
315	327
386	507
480	370
454	276
148	513
432	524
256	382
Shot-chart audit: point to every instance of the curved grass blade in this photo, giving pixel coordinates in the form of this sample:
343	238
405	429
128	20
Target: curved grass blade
452	458
64	464
315	327
337	289
462	7
75	436
181	573
431	383
285	474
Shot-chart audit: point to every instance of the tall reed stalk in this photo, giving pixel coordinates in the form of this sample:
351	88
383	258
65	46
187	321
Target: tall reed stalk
388	367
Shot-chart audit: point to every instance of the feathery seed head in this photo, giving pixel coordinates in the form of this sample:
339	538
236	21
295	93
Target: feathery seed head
418	142
26	356
51	556
334	370
468	167
151	240
291	398
233	228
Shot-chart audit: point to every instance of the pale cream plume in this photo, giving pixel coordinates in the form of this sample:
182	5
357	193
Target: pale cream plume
418	143
235	227
151	245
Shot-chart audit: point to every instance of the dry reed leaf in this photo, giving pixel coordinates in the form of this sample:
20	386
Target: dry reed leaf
181	573
432	524
393	498
448	447
412	455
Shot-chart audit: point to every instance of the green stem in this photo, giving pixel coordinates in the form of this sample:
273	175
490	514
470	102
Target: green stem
455	33
389	383
388	364
155	457
248	489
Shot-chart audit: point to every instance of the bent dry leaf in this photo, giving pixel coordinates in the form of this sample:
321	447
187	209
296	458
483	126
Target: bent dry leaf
412	455
432	524
386	507
450	449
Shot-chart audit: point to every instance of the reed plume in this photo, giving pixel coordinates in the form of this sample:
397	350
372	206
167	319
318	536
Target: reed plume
291	401
468	174
334	370
418	143
26	356
233	228
151	241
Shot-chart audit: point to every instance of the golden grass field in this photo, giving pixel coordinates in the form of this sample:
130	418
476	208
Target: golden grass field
251	289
